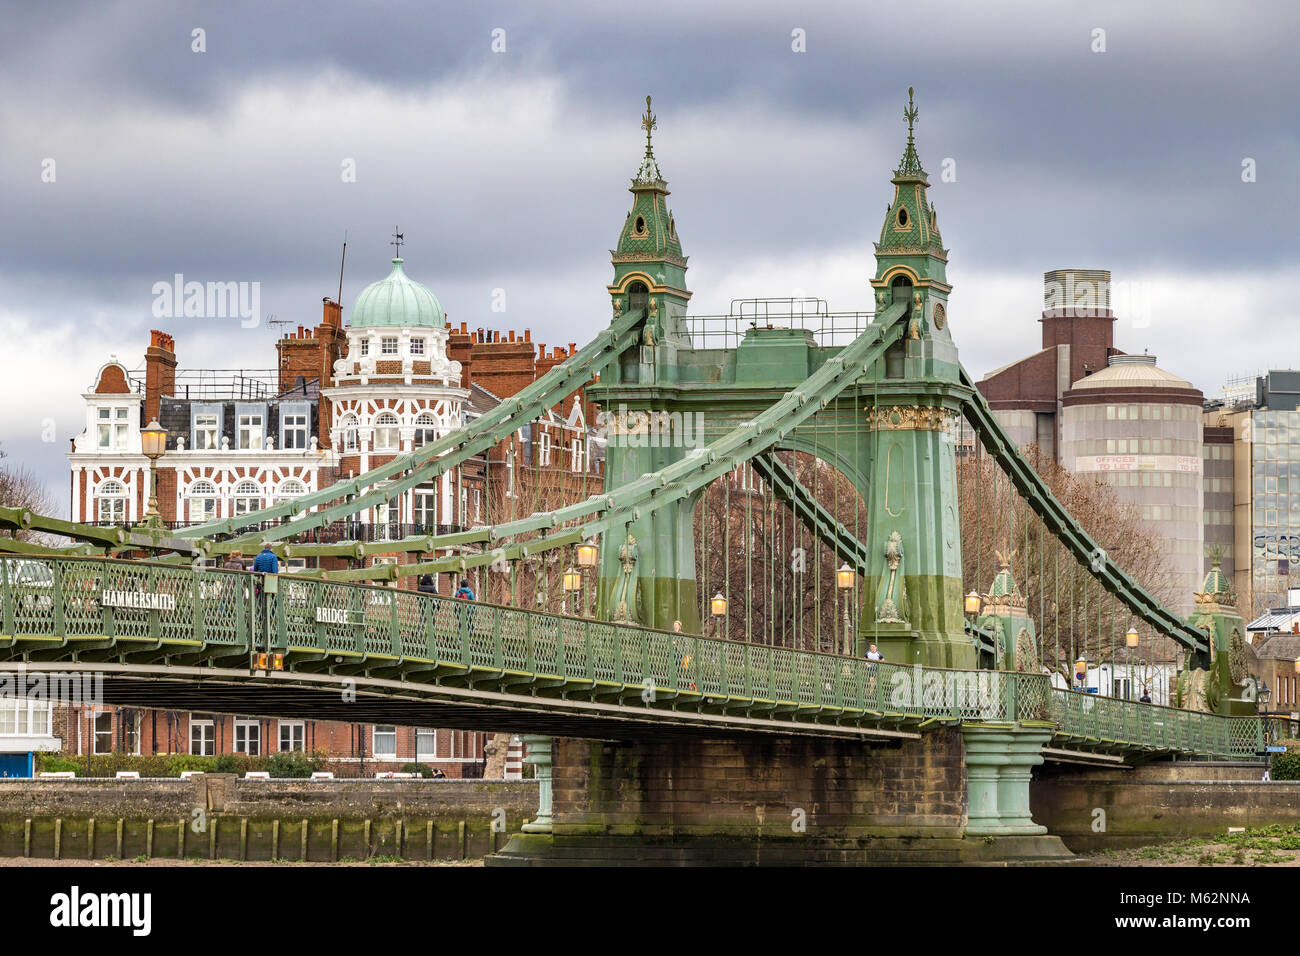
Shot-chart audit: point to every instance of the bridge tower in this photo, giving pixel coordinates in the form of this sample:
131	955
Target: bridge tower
913	411
892	429
647	566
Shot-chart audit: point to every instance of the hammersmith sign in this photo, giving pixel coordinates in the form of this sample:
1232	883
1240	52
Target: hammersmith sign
138	600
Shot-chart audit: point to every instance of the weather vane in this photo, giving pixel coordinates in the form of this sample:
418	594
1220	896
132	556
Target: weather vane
648	123
397	242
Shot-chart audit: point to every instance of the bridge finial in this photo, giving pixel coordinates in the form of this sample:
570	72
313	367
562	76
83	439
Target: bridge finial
911	162
648	124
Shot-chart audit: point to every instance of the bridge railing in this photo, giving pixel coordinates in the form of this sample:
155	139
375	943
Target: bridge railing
140	605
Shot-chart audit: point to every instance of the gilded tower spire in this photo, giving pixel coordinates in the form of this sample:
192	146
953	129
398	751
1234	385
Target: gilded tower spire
649	171
911	163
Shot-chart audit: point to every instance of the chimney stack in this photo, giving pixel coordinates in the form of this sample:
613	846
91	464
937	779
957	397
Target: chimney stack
159	372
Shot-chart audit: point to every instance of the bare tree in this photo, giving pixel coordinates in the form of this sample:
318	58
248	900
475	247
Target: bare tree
1075	616
20	488
778	579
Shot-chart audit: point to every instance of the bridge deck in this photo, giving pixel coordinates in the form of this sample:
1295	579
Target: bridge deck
177	637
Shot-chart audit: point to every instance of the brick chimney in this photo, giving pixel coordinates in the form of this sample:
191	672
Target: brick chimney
503	366
159	372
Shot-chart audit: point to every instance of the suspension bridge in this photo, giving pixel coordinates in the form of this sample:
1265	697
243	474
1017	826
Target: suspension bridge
744	567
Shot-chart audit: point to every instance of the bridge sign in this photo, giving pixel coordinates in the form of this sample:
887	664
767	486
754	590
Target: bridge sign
138	600
334	615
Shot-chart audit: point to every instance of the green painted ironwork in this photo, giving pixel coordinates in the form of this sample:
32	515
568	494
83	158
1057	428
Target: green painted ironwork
87	609
141	537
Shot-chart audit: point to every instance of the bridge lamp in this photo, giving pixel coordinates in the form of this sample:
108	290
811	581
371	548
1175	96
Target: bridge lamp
1131	638
587	553
718	605
1081	670
845	578
572	580
972	603
153	442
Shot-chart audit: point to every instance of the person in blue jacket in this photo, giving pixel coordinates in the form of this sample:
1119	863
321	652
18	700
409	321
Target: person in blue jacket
266	562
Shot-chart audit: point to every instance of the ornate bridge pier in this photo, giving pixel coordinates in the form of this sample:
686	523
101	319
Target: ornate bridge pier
952	795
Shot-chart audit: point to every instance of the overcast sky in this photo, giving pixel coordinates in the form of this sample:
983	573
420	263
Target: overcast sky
509	170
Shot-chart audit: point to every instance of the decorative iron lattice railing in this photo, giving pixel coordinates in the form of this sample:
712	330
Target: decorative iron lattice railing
99	609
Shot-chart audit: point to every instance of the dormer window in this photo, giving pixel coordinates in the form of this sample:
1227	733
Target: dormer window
207	431
388	345
640	226
249	433
417	346
113	428
902	217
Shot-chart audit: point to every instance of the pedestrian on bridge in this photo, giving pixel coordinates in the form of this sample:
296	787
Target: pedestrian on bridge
234	562
266	562
464	593
428	584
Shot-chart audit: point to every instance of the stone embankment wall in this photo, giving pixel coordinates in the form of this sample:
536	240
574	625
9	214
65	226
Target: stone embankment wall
219	816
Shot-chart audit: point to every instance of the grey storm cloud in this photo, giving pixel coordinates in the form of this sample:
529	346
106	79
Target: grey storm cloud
510	170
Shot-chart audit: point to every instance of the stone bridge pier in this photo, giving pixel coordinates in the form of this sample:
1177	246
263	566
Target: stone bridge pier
949	795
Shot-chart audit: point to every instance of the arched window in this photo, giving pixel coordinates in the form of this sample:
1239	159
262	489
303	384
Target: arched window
203	501
637	296
110	502
387	434
348	426
248	497
290	488
425	428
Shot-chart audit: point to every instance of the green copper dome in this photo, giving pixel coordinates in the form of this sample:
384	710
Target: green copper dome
397	301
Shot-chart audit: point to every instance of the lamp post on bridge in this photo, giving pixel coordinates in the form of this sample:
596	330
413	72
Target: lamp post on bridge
1131	642
588	554
845	579
153	442
718	607
571	581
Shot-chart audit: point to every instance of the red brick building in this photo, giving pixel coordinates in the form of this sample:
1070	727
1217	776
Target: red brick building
341	400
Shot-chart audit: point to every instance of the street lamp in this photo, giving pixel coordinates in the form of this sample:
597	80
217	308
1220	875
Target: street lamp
153	441
1262	696
845	578
719	608
587	555
571	581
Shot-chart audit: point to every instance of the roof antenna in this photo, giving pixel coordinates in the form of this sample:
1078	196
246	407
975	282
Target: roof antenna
341	261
